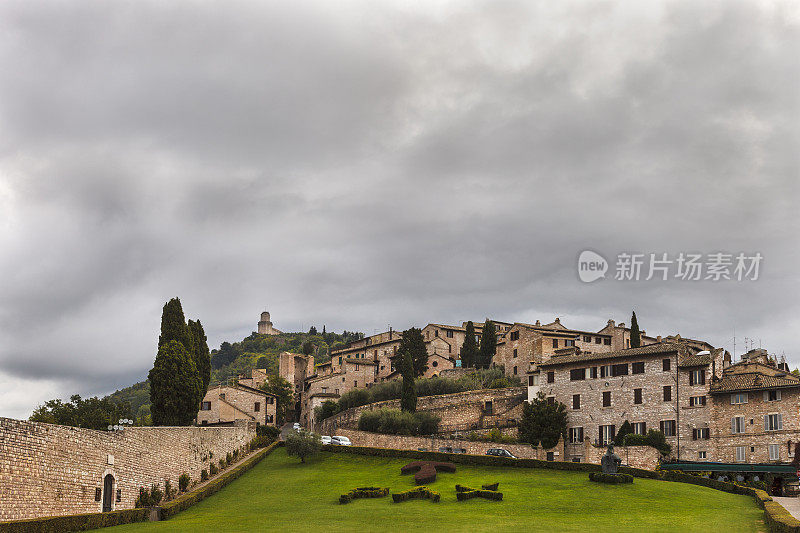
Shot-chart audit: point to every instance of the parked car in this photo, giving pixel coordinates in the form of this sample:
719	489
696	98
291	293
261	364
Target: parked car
326	439
338	440
449	449
500	452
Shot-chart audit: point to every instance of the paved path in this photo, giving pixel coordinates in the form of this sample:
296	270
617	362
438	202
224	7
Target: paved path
790	504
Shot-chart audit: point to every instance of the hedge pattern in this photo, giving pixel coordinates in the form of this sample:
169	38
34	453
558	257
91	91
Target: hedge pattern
613	479
76	522
467	493
426	470
417	493
775	516
364	492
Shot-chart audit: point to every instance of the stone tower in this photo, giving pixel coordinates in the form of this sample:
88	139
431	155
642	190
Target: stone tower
265	326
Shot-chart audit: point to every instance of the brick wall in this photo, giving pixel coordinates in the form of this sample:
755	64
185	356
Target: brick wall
50	470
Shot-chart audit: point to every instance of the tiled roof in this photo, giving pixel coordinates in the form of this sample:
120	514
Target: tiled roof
324	376
650	349
696	360
554	331
753	381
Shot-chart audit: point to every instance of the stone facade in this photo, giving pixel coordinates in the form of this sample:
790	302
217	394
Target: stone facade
265	325
51	470
224	404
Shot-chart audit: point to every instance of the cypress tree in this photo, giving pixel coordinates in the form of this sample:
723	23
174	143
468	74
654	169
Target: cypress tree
174	386
469	350
413	343
408	399
202	357
488	345
636	337
173	326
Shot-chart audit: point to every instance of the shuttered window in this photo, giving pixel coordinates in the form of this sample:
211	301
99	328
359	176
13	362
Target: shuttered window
607	399
606	434
737	424
637	368
697	377
620	369
667	393
773	422
637	396
576	401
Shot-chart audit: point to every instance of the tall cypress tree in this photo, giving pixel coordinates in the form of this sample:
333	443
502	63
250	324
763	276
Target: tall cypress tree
408	398
413	343
488	344
202	355
173	326
469	350
636	337
174	386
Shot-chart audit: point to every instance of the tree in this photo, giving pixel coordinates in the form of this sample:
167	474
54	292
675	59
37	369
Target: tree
303	444
624	430
469	350
202	358
174	386
636	337
226	354
326	410
263	362
323	330
312	330
92	413
173	326
408	400
284	396
308	348
413	343
488	345
543	422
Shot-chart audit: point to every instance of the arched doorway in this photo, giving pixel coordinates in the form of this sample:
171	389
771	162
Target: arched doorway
108	493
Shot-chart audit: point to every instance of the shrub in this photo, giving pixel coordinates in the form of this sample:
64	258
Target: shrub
364	492
468	494
228	458
222	464
270	432
156	495
183	482
492	486
169	490
213	469
417	493
610	478
204	475
654	438
143	500
397	422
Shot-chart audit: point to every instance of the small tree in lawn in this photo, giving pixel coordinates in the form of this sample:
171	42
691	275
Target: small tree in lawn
303	444
636	336
488	345
543	422
408	400
469	350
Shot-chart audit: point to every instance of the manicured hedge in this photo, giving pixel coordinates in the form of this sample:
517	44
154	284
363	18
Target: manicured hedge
77	522
417	493
492	486
779	519
486	494
364	492
170	509
614	479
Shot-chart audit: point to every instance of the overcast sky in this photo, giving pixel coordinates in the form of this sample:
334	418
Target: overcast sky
360	164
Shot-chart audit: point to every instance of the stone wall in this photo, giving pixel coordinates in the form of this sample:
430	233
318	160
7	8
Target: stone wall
51	470
459	411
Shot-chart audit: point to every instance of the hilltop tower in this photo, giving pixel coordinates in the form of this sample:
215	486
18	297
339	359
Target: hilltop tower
265	326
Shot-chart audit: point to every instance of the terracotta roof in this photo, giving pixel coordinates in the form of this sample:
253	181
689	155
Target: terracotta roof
650	349
695	360
746	381
324	376
552	331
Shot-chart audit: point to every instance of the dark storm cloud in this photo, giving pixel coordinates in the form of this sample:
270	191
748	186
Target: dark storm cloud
367	164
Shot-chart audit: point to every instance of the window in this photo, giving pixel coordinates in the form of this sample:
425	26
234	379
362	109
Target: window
515	352
700	434
640	428
437	332
575	435
637	368
619	369
257	407
637	396
355	384
773	422
270	400
533	380
587	338
551	400
701	455
598	340
205	406
356	366
741	454
449	334
576	401
515	369
737	424
668	428
606	434
555	343
772	396
593	372
605	371
551	377
515	335
774	452
697	401
577	374
340	360
436	363
667	393
665	365
270	419
607	399
569	342
697	377
738	398
607	342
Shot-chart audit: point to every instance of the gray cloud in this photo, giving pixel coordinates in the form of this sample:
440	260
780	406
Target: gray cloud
371	164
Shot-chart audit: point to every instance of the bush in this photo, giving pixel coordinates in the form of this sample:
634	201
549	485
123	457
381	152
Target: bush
364	492
143	500
492	486
417	493
268	431
169	490
213	469
204	475
228	458
183	482
610	478
654	438
397	422
467	494
222	464
156	495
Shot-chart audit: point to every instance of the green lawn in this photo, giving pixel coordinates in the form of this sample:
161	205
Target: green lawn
280	494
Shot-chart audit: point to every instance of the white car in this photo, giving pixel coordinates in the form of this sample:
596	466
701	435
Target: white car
326	439
338	440
296	426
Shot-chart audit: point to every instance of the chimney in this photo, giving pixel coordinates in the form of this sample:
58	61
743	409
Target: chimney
538	323
557	320
390	332
658	339
611	323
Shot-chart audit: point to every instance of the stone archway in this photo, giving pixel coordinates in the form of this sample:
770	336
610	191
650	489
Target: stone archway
108	493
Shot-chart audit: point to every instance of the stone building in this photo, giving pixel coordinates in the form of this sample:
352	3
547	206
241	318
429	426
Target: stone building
265	326
755	407
661	386
225	404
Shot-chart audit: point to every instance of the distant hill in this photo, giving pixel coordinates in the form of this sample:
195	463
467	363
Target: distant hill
233	359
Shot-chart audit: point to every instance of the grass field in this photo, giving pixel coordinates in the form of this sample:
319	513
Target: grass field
280	494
